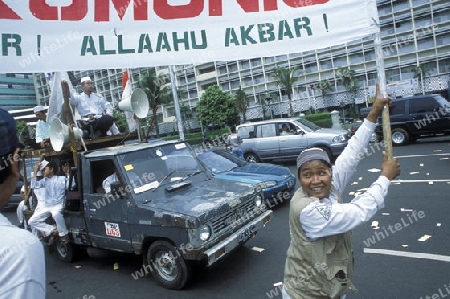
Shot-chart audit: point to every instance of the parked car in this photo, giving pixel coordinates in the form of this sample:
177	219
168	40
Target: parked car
355	126
265	140
417	117
277	182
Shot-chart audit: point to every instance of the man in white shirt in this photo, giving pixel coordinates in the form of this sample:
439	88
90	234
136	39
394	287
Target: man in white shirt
55	187
319	262
108	181
22	266
96	112
42	127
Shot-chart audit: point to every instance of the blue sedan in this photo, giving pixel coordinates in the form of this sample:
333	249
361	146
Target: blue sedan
277	182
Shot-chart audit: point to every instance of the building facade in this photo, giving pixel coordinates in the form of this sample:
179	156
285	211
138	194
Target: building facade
416	48
17	91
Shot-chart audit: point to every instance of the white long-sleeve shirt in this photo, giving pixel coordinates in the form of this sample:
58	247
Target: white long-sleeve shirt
327	216
42	130
93	104
55	189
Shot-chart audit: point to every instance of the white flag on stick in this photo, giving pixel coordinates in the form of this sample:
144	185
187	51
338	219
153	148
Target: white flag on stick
127	92
56	101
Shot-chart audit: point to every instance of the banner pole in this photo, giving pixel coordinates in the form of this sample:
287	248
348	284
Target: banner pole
387	136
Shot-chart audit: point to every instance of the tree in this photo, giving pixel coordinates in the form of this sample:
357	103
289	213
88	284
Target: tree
217	107
241	103
420	71
286	78
157	95
348	78
324	87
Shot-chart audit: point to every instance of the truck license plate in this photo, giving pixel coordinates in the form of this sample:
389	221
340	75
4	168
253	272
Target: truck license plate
247	233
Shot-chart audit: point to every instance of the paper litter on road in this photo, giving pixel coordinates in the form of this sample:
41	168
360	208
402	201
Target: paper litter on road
374	170
438	150
277	284
406	210
354	183
438	224
360	178
254	248
405	246
414	172
375	225
421	164
424	238
116	266
430	183
78	267
385	214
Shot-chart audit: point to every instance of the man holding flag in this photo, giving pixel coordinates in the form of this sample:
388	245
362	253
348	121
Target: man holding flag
319	262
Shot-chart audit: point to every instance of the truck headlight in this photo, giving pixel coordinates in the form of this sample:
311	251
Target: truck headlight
258	200
267	184
337	139
204	232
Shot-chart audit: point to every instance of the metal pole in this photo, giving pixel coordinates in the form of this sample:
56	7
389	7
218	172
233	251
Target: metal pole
382	84
176	103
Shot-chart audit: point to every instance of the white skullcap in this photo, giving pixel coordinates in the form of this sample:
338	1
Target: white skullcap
85	79
39	109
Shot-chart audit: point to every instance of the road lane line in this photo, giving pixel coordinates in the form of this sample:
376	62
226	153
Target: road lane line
420	181
415	255
414	156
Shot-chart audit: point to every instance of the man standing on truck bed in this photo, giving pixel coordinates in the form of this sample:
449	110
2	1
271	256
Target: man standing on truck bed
94	109
55	187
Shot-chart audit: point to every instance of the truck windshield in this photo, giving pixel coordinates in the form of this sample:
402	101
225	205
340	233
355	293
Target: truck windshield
146	169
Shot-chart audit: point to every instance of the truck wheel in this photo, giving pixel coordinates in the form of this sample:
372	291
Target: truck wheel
167	265
251	158
399	137
66	251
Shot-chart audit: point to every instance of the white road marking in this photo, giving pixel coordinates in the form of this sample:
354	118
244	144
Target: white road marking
420	181
415	255
414	156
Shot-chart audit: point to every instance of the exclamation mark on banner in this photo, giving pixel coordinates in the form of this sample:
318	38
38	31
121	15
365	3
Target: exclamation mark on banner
39	44
325	21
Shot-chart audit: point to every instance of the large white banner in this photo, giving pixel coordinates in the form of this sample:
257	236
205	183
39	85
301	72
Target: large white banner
57	35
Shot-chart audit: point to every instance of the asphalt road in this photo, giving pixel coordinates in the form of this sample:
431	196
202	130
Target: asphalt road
408	269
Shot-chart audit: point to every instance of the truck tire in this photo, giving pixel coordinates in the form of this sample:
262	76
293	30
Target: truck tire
66	252
399	137
251	158
167	265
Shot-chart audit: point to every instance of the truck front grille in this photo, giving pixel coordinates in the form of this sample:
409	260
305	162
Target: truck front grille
235	217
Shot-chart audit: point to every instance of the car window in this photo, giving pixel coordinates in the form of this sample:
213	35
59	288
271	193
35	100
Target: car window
397	108
266	130
306	125
246	132
422	105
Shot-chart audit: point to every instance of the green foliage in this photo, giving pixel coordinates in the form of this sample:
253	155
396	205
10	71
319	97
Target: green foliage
120	120
321	119
286	78
158	94
348	78
217	107
22	131
241	103
324	86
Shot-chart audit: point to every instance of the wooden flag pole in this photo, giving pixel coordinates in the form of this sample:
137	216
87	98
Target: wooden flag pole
387	135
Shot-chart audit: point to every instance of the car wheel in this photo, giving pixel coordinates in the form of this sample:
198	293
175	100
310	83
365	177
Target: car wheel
167	265
399	137
66	251
251	158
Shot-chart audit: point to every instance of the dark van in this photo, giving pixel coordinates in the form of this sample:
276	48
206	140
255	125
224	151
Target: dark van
417	117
